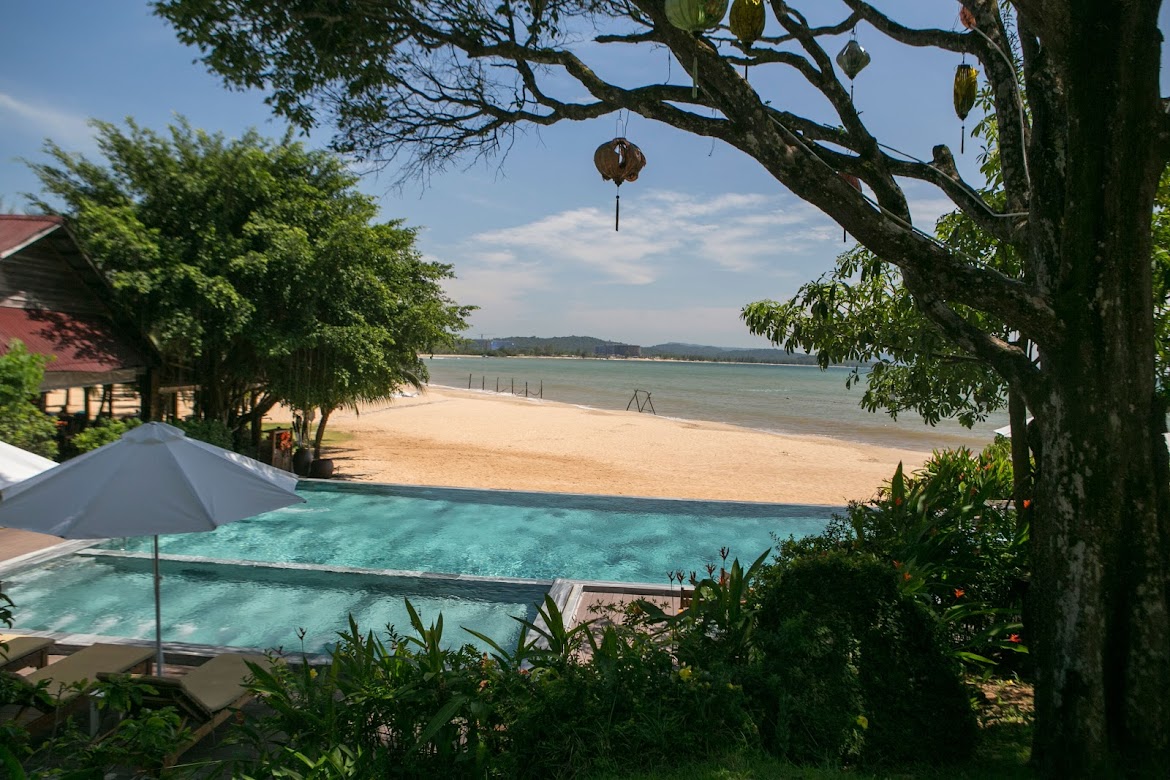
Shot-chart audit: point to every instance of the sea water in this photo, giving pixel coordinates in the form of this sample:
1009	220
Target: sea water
779	399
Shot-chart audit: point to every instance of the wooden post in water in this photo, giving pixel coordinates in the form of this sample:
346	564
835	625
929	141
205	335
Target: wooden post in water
497	384
525	389
469	381
482	382
542	388
513	390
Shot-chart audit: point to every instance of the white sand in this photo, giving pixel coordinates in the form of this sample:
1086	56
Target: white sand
465	438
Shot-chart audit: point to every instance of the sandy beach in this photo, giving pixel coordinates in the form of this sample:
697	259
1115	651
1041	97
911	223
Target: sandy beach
463	438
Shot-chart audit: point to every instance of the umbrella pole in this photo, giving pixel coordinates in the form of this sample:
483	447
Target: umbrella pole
158	653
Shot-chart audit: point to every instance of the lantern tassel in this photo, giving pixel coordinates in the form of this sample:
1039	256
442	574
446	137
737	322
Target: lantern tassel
745	78
695	78
617	211
844	236
963	138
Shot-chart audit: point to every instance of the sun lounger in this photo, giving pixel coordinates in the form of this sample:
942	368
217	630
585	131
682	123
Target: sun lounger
205	697
19	652
63	683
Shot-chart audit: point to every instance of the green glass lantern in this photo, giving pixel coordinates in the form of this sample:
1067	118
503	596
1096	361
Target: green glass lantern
696	16
852	59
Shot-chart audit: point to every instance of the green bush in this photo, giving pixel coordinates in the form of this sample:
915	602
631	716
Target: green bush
101	433
956	542
210	431
854	667
22	424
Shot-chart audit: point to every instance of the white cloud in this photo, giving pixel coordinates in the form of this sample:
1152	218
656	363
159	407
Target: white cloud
61	126
660	230
926	211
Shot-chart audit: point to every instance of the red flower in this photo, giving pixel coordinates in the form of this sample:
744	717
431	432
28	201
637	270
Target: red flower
906	576
898	501
959	593
1027	503
1014	638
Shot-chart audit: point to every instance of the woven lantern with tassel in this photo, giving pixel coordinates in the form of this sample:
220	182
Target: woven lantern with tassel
852	59
855	183
619	161
966	87
696	16
747	23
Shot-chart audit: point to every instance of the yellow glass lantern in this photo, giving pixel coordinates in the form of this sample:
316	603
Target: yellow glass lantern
747	23
966	88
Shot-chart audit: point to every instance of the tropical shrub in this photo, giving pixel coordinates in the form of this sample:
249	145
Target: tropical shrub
211	431
854	667
954	540
102	432
22	423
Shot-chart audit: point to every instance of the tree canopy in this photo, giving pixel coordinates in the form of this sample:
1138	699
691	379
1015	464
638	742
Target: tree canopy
1073	332
255	265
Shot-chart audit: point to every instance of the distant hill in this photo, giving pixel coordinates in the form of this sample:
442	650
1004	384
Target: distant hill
702	352
585	346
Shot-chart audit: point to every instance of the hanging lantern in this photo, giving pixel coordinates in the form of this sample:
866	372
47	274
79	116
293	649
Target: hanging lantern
966	17
695	16
747	23
619	161
966	85
855	183
852	59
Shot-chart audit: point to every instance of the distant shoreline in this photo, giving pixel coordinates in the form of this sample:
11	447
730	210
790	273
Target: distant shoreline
445	356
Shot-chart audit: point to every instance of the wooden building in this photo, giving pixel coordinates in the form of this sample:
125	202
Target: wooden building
56	301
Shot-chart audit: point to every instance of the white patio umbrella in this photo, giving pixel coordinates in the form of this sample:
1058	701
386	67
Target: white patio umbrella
17	464
154	480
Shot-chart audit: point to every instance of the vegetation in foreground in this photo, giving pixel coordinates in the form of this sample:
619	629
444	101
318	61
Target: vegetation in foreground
867	649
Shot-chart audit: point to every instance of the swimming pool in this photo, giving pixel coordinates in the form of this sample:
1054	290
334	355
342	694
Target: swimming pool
218	603
258	580
491	533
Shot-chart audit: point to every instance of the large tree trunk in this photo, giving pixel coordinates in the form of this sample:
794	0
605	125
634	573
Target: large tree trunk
1101	531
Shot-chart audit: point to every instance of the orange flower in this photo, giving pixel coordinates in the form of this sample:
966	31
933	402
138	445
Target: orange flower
898	501
483	684
959	593
1014	638
1027	503
906	576
897	564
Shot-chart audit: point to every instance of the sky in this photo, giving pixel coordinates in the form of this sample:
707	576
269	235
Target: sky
530	235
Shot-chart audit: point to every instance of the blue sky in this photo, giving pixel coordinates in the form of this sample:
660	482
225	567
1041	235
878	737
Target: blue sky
704	230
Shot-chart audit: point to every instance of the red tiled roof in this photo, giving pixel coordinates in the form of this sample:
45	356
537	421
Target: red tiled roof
19	230
81	343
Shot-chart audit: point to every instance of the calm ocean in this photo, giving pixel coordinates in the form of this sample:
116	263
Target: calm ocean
781	399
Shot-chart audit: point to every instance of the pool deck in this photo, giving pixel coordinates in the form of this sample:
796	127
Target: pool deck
14	544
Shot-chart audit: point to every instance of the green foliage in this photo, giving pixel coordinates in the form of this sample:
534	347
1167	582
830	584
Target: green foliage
22	423
856	667
210	431
954	542
255	264
862	312
104	431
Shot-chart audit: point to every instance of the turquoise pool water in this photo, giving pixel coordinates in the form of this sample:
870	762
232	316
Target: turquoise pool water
226	601
498	533
249	606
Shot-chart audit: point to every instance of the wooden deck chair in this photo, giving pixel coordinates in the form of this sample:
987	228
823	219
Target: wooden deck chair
64	683
205	697
18	652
